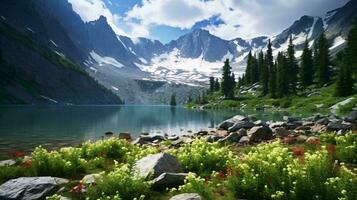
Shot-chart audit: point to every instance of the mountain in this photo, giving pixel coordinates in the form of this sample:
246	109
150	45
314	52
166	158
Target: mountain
141	70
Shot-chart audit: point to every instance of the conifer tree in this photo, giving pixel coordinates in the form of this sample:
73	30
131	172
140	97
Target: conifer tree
255	70
351	49
271	84
226	86
263	73
292	66
173	100
211	84
233	79
248	69
323	61
282	87
316	62
344	83
306	67
217	85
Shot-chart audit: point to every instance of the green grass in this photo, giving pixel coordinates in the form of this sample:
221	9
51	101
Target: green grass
296	104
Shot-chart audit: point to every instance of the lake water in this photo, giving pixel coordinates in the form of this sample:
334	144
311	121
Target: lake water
22	128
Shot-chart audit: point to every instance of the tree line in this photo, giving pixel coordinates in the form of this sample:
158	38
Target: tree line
286	75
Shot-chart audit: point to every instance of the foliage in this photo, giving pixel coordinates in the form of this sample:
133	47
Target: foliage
346	150
227	85
120	181
202	157
306	67
10	172
173	100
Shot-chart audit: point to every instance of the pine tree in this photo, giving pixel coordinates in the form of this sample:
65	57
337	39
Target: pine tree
282	87
351	49
316	62
344	83
173	100
323	61
306	67
263	73
292	66
226	86
211	84
271	84
248	69
233	79
217	86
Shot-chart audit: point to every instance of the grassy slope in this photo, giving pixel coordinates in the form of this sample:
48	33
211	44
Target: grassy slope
296	104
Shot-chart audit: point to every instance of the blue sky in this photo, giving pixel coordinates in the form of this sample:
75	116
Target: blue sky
166	20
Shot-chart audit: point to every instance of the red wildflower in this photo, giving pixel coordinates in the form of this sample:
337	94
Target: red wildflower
221	175
331	148
27	164
80	188
314	142
298	151
288	139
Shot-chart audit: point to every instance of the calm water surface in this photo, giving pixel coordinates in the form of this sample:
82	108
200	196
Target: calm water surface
25	127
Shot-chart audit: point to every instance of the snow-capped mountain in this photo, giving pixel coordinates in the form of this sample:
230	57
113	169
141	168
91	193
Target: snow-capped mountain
123	64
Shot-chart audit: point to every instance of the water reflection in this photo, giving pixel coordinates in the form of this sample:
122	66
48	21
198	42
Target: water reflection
25	127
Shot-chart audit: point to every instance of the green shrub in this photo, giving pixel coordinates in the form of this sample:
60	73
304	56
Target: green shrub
202	157
346	148
120	181
65	163
110	148
11	172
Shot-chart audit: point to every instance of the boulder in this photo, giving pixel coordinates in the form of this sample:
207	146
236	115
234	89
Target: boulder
125	136
277	124
290	119
241	124
156	164
281	132
173	137
202	133
317	128
109	134
244	140
29	188
187	196
168	180
352	117
260	123
90	178
230	122
338	125
9	162
260	133
323	121
232	137
148	139
213	138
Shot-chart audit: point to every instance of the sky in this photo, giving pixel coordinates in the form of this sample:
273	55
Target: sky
166	20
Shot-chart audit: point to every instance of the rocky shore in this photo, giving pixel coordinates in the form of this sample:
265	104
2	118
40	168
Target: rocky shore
164	170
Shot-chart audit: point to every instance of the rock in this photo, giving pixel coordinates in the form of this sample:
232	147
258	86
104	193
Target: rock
125	136
260	123
202	133
252	118
90	178
232	137
335	107
308	123
213	138
241	124
168	180
173	137
260	133
9	162
109	134
187	196
148	139
338	125
277	124
324	121
244	140
317	128
145	134
28	188
281	132
156	164
352	117
230	122
290	119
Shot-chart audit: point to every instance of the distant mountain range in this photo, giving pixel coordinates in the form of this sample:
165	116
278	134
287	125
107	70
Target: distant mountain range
141	70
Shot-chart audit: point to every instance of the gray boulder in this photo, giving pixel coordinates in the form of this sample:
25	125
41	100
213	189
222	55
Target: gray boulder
156	164
230	122
244	140
351	117
260	133
241	124
29	188
277	124
213	138
148	139
324	121
281	132
233	137
9	162
168	180
187	196
338	125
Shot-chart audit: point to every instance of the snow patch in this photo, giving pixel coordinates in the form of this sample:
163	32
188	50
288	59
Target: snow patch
115	88
337	42
49	99
105	60
29	29
54	43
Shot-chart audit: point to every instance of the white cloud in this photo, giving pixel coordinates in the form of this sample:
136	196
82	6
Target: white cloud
254	17
90	10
